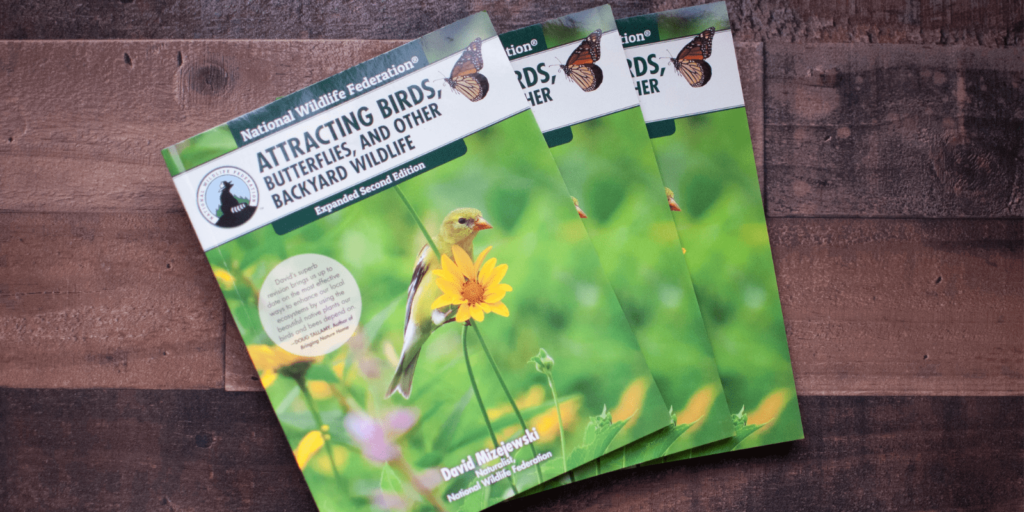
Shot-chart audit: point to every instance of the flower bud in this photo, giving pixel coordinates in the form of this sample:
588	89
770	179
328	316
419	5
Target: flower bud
543	362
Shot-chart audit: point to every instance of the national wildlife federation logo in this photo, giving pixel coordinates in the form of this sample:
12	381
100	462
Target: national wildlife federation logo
227	197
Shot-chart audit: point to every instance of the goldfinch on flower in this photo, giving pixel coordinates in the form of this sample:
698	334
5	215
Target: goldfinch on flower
459	228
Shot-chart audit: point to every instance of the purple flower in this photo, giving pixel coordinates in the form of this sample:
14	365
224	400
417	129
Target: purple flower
376	438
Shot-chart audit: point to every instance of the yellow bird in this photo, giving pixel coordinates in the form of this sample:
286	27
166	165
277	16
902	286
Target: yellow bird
458	228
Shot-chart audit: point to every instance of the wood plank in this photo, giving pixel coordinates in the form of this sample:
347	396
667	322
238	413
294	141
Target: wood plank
82	129
108	450
82	123
239	372
962	159
102	450
894	131
970	22
105	300
750	57
885	307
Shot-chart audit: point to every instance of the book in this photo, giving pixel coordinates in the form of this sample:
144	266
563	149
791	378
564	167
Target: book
685	70
420	298
573	72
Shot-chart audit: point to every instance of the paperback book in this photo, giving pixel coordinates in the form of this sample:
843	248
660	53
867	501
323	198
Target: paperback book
573	72
422	301
685	72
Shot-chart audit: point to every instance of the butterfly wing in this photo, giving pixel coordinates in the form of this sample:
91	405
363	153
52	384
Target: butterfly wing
588	52
691	59
465	77
699	48
473	86
581	67
471	60
587	76
696	72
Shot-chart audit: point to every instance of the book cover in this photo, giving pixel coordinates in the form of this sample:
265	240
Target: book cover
572	71
685	71
422	302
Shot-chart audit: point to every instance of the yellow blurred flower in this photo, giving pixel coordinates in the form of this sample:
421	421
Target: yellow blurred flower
308	446
269	360
696	409
226	280
475	288
630	402
546	422
532	398
770	408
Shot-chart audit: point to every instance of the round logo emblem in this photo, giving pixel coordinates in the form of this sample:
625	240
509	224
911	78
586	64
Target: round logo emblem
227	197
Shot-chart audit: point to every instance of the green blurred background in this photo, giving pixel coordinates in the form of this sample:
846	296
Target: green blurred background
560	302
709	163
609	166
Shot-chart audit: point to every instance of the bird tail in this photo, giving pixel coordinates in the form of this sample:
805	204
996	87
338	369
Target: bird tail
402	381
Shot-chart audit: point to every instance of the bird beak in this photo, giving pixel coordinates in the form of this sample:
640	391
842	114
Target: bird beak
673	205
481	224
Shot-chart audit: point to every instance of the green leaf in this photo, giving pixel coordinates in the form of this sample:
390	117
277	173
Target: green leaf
596	438
743	431
654	445
389	481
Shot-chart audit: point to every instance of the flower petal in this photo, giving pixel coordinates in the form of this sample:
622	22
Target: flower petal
500	308
464	262
494	295
487	271
449	266
497	276
463	314
478	314
448	287
442	301
483	253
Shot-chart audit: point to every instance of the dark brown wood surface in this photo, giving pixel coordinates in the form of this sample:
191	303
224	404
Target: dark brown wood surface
889	136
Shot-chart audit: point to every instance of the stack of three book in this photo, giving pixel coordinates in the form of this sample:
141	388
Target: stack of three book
480	266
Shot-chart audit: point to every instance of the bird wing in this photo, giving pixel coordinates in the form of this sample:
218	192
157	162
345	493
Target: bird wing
421	271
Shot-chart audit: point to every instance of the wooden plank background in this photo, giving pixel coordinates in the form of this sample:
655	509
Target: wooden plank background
889	136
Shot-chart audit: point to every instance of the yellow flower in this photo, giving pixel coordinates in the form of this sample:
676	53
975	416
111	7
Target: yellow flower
308	446
270	360
475	288
226	280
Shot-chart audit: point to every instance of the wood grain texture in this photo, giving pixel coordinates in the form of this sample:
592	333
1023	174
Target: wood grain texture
239	372
842	149
894	130
105	300
106	450
885	307
82	128
750	57
82	123
966	22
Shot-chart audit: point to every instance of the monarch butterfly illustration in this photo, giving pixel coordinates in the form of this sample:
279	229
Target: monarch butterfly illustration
465	78
580	67
691	61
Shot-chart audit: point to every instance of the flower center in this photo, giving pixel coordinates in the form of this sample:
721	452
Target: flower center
473	292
